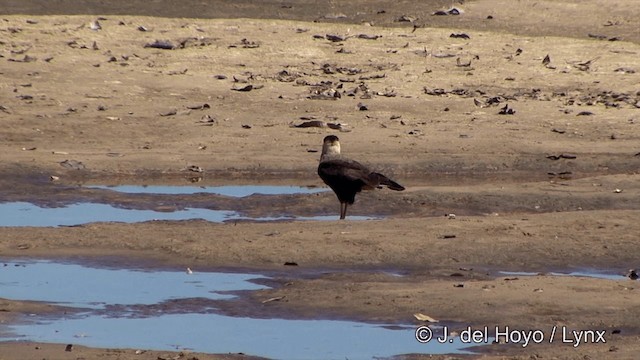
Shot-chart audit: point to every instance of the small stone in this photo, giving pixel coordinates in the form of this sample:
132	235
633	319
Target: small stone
95	26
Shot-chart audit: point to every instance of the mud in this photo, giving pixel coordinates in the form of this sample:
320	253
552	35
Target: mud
525	130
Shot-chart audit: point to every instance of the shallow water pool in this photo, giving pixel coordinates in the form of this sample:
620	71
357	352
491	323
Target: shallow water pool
228	190
592	273
94	289
28	214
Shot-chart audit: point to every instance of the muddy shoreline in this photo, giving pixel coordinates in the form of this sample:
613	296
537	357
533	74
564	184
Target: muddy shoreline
538	159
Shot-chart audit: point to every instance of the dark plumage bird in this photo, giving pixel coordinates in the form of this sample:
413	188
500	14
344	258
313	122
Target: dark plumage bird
348	177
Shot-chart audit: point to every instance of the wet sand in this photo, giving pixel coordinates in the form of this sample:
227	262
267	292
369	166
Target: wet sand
550	185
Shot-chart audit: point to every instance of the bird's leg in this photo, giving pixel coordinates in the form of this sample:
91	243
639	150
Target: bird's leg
343	210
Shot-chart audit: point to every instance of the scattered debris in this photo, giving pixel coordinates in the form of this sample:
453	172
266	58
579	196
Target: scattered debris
443	55
25	97
406	18
199	106
459	36
247	88
246	44
335	38
324	91
207	119
178	72
287	76
584	65
423	317
161	44
95	25
461	64
625	70
368	37
564	175
169	112
452	11
195	168
25	59
597	36
277	298
506	110
546	62
561	156
335	16
441	92
321	124
73	164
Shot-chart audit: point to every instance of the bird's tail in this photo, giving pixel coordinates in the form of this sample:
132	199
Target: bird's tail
383	180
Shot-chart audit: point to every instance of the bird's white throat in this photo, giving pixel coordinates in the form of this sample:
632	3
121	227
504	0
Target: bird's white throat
330	149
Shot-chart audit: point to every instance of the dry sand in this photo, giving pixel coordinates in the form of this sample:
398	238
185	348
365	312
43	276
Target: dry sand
552	186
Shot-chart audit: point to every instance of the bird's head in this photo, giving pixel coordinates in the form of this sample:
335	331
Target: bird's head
330	146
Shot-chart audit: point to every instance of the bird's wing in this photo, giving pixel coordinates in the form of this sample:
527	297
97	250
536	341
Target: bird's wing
348	170
383	180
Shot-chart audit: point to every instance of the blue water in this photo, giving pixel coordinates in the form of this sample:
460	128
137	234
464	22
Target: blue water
582	273
95	288
27	214
235	191
79	286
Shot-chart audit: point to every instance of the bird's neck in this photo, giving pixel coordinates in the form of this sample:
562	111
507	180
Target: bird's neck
330	150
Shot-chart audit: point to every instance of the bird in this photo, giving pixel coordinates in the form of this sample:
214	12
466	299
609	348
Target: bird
348	177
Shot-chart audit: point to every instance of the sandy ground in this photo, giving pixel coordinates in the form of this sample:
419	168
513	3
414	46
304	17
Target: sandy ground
551	185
